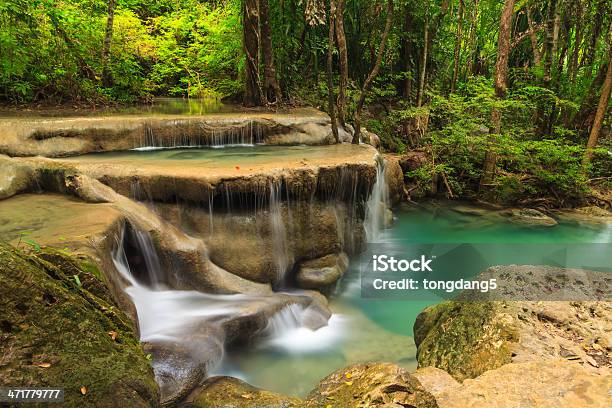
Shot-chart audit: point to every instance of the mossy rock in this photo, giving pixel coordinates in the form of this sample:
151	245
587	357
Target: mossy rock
57	331
229	392
464	338
370	385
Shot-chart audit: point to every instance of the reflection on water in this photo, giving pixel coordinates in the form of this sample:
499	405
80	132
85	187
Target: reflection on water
363	330
159	106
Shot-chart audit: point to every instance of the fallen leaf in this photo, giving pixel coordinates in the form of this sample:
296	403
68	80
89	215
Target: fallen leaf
237	167
591	361
329	406
42	365
83	389
112	334
348	375
348	382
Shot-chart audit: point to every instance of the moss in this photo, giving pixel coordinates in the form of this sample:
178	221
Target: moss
48	318
228	392
464	338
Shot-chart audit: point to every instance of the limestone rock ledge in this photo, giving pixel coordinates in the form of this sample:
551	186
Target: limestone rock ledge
69	136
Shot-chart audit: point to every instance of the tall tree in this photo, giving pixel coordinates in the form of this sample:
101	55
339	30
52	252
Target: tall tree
472	41
430	30
457	51
374	73
330	78
535	47
602	108
500	83
253	95
343	59
578	27
272	90
107	78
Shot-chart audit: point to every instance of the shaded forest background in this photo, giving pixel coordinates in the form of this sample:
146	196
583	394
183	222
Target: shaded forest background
506	100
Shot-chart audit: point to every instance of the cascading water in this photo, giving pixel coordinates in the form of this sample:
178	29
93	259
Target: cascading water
279	232
199	134
377	205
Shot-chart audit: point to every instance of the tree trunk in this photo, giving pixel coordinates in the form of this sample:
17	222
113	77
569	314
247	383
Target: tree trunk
473	30
573	66
457	52
589	56
368	82
602	107
272	91
107	78
330	79
430	32
550	41
423	65
407	53
537	57
343	58
501	75
253	95
585	115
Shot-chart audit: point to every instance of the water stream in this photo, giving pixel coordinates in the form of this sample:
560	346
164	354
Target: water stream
290	358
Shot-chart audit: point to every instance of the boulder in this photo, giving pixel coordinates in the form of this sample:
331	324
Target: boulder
229	392
322	273
14	177
374	385
394	176
57	329
466	338
531	217
544	384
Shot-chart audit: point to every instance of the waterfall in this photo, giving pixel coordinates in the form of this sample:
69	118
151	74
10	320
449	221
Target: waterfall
288	318
278	230
377	205
140	265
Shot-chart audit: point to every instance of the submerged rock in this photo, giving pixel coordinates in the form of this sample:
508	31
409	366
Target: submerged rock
60	328
322	273
229	392
370	385
529	216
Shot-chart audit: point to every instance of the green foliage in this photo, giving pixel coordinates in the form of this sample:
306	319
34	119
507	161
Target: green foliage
51	50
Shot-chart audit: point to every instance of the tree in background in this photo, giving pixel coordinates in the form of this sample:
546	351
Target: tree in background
107	79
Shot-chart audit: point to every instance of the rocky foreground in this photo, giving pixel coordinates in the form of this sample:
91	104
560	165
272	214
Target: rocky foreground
61	325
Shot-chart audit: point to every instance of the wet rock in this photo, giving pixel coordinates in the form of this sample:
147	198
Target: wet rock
312	229
531	217
14	177
55	331
370	385
394	176
55	137
229	392
322	273
586	215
